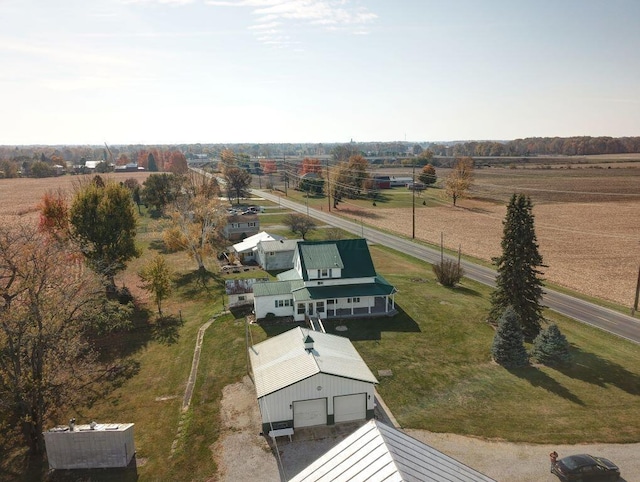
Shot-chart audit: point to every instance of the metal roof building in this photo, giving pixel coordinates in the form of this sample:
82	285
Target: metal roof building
377	452
306	378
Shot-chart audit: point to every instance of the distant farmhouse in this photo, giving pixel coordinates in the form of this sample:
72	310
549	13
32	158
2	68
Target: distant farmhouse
329	279
241	226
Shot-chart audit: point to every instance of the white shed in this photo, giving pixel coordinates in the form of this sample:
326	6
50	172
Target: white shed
94	446
305	378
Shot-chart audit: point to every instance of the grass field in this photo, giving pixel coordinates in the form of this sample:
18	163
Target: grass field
437	348
586	221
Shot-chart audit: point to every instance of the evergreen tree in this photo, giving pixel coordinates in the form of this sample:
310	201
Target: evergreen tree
518	283
508	343
551	347
152	165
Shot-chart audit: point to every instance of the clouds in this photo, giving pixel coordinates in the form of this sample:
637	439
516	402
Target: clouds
273	18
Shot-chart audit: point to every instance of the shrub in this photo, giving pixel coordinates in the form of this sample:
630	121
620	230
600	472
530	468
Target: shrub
508	343
448	272
551	347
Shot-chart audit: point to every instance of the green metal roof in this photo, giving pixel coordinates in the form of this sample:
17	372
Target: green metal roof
288	275
275	288
341	291
351	255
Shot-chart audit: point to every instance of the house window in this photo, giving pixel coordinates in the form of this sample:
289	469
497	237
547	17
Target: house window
320	306
356	300
324	273
252	225
288	302
235	225
318	274
331	302
271	253
301	308
330	273
242	298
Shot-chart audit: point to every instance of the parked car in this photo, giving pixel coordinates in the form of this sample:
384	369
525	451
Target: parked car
585	468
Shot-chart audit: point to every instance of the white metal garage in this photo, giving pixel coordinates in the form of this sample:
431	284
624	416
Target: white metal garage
310	412
305	378
350	407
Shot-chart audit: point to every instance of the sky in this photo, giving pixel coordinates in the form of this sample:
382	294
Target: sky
272	71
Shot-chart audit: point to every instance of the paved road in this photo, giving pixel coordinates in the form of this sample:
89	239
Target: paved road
612	321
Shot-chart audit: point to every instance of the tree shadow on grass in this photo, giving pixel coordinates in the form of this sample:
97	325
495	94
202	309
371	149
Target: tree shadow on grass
166	328
590	368
360	329
159	246
114	346
538	378
198	283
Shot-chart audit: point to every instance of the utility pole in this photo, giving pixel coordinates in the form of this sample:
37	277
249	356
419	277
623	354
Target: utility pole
328	186
635	303
413	206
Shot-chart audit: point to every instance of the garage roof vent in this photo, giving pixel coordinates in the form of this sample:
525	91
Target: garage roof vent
308	343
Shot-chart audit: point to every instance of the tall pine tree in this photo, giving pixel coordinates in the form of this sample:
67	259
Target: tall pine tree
518	283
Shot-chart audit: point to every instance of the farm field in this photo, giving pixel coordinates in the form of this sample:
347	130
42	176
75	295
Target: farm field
587	222
438	345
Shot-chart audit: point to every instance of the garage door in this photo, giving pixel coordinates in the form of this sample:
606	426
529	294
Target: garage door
310	412
350	407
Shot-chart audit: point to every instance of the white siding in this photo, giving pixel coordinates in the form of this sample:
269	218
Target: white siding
266	304
278	405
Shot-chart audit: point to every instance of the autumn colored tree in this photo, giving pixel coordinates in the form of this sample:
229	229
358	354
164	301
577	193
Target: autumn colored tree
103	223
228	159
310	165
54	214
460	180
156	279
268	166
358	173
196	227
123	160
428	175
339	182
177	163
47	303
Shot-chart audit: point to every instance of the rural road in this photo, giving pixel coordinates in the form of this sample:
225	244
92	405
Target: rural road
604	318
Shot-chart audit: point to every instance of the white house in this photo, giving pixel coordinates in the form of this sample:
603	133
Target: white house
246	250
276	255
376	452
305	378
329	279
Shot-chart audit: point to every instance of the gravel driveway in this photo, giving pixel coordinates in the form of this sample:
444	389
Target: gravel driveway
243	454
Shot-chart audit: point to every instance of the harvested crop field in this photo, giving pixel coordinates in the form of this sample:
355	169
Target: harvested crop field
19	198
587	223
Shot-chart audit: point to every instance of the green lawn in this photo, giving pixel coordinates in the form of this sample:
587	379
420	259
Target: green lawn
444	381
437	348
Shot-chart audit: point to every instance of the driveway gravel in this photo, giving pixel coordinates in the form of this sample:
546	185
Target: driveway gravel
242	454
